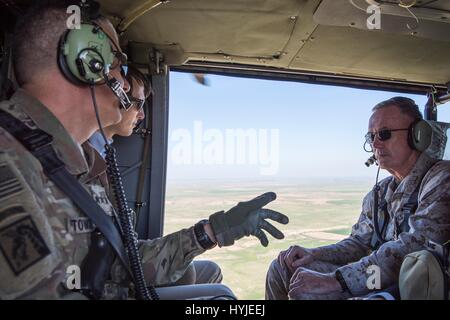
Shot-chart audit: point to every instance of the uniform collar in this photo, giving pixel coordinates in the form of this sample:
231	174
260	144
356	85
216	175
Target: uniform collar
96	163
414	178
68	150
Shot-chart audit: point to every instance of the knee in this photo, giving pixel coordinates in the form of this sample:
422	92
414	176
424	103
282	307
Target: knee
215	267
216	271
274	270
207	272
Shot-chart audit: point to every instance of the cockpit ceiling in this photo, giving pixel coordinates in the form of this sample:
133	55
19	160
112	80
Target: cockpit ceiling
329	36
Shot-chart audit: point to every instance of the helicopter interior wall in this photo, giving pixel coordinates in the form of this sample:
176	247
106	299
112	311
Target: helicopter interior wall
427	19
358	52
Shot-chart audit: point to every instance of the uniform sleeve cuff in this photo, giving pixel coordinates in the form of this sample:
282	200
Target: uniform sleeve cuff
355	279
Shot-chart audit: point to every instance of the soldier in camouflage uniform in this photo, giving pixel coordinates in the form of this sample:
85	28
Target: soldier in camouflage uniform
199	271
341	270
42	232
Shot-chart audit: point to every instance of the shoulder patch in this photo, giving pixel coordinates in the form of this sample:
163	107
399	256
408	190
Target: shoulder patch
100	196
9	183
22	244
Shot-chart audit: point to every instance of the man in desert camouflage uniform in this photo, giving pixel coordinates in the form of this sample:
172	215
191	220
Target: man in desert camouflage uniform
341	270
42	233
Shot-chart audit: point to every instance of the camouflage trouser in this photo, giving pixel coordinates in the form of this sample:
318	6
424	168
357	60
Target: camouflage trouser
209	291
200	281
278	278
200	271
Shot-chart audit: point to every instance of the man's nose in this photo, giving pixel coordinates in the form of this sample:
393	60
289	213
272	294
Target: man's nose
141	114
377	143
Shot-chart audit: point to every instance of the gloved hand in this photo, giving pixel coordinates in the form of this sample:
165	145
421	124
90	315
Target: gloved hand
247	218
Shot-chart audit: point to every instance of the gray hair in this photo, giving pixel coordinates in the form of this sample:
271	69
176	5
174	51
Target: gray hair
407	106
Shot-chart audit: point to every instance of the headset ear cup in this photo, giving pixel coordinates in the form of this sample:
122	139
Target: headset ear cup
62	62
411	135
420	134
83	54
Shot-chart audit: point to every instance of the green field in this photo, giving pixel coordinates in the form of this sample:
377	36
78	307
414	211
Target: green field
320	213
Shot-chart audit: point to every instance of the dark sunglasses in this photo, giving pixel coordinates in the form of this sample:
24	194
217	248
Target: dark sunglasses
137	103
383	135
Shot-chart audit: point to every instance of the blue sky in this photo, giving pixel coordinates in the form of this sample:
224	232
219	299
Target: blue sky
320	128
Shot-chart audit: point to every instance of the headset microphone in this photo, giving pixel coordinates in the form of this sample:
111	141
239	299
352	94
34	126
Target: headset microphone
372	160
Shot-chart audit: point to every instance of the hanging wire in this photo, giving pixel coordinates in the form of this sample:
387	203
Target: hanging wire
407	6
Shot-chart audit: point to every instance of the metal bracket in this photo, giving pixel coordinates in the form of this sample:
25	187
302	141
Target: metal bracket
441	97
155	60
430	111
139	205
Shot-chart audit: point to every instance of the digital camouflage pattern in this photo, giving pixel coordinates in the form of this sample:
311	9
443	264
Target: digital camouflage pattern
353	255
42	232
38	200
278	281
164	259
430	221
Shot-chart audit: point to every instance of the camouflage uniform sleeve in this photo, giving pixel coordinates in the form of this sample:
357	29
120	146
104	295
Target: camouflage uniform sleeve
354	247
430	221
166	259
29	258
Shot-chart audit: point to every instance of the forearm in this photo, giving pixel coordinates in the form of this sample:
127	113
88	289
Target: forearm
431	223
165	259
387	259
356	245
343	252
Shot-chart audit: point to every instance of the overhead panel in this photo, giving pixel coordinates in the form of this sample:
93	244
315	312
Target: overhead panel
345	50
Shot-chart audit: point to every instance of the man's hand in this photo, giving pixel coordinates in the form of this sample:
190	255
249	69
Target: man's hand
306	281
247	218
295	257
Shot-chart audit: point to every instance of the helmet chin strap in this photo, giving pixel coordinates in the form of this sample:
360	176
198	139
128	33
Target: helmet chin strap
118	91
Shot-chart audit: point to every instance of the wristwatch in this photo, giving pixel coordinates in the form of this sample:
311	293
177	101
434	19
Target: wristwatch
201	235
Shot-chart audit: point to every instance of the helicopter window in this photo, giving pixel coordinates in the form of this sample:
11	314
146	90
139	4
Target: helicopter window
237	138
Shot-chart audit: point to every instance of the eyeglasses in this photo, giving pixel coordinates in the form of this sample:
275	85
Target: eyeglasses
383	135
137	103
120	58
